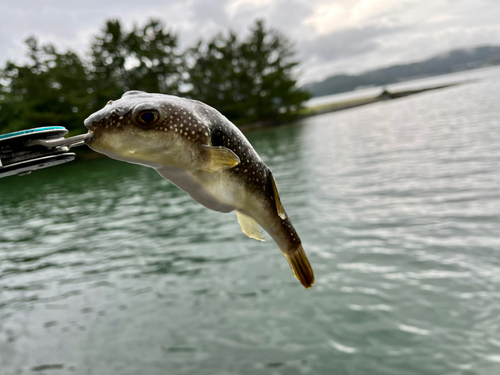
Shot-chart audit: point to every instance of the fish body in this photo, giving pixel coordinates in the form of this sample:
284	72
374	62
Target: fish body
199	150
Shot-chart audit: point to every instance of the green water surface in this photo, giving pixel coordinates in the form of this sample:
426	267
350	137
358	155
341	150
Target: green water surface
106	268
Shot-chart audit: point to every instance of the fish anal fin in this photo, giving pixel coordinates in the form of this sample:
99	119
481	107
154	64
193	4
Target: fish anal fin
249	226
300	265
277	200
220	158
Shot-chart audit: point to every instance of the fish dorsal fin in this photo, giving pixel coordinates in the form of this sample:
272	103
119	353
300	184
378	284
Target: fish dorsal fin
220	158
249	226
277	200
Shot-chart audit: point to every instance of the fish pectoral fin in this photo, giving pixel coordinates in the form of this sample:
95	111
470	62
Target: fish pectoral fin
249	226
277	200
220	158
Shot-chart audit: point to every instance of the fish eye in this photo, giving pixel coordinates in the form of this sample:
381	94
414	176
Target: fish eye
146	118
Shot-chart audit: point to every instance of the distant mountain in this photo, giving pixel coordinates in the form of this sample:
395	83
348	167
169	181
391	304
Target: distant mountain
457	60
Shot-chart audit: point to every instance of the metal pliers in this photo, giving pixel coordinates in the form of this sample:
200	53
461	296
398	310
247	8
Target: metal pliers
29	150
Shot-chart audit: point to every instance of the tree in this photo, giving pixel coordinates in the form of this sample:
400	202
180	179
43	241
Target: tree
247	81
159	64
143	59
250	80
109	77
49	90
216	76
55	88
268	58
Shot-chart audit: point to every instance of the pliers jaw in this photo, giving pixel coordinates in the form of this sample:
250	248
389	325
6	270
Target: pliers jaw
29	150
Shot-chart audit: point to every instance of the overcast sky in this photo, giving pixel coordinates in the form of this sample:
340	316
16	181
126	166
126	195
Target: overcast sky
332	36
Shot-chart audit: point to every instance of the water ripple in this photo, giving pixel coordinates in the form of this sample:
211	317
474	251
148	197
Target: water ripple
397	205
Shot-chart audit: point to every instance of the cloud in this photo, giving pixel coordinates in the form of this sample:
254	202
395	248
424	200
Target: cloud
345	43
332	36
330	16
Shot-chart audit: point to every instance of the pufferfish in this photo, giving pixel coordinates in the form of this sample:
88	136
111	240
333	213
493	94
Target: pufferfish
196	148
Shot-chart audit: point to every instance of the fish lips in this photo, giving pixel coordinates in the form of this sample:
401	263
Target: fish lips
88	122
89	137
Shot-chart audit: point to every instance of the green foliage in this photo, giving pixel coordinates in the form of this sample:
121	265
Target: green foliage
50	89
217	77
248	80
144	59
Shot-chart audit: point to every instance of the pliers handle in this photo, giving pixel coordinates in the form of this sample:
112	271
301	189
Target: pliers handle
28	150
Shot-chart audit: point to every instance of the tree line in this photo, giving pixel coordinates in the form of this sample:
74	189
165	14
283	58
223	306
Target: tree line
248	80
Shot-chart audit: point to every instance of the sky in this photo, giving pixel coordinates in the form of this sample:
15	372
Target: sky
330	36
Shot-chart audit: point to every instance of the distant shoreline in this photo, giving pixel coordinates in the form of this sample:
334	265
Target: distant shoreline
340	106
455	61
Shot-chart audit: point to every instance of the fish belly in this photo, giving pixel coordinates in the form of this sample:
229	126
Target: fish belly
216	191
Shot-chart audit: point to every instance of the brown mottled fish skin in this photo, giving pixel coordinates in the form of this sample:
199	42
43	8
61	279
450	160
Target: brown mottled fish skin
202	152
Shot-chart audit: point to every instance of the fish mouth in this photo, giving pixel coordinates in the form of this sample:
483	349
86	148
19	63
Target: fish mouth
89	137
89	124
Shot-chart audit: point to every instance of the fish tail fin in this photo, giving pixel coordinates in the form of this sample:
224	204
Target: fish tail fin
300	265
